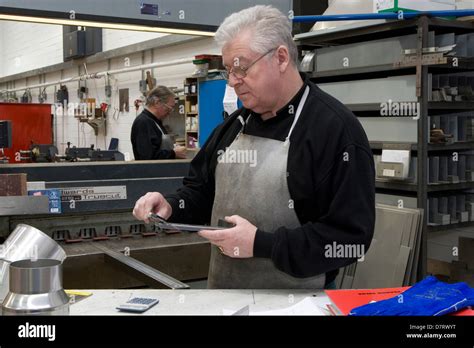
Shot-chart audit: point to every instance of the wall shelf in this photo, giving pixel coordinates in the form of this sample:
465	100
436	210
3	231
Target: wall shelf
458	146
450	186
394	185
451	105
434	228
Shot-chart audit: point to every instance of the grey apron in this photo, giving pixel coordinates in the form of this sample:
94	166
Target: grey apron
167	141
259	194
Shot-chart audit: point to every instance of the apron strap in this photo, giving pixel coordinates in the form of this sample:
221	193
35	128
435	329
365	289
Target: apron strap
243	123
158	126
298	112
161	130
241	119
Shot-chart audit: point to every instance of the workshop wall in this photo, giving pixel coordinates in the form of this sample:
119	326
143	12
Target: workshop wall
120	38
47	50
2	40
28	46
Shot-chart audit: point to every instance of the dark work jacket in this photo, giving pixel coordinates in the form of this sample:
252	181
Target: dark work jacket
146	138
331	179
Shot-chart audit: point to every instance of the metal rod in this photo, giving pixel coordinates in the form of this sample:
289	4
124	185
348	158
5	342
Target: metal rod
387	15
188	228
422	153
103	74
142	268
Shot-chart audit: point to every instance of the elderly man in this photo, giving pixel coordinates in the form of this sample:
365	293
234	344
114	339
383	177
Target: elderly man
309	187
150	140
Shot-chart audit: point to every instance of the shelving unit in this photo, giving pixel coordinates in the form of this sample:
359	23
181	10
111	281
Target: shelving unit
421	65
191	105
207	98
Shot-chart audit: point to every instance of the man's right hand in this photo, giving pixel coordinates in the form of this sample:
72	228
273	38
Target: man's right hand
180	152
152	202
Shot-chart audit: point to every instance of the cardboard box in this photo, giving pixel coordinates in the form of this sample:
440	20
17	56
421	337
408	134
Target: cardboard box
13	185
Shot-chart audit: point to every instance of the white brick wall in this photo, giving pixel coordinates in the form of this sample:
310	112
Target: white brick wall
28	46
119	38
41	45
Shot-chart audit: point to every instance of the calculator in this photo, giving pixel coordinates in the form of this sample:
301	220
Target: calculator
138	304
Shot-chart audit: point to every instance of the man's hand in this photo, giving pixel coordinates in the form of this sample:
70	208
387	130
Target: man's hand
236	242
152	202
180	152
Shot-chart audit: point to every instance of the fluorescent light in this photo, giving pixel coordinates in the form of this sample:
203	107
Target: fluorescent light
75	22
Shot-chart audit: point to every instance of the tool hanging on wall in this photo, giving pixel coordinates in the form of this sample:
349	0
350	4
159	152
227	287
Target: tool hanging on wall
150	81
124	100
26	97
62	95
148	84
12	98
82	92
42	97
137	103
104	107
108	91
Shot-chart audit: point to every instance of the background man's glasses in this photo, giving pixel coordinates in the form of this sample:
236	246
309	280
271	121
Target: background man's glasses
170	108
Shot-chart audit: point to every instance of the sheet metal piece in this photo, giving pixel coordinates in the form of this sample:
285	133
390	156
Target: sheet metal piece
163	224
243	311
392	258
23	205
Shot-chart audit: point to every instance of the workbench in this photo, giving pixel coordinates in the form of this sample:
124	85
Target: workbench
194	302
103	196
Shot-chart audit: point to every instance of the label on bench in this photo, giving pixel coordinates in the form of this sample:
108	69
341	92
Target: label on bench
94	193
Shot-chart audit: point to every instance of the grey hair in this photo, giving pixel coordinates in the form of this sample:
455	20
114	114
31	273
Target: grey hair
270	28
159	94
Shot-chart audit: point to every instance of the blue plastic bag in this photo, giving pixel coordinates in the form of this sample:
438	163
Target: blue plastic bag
430	297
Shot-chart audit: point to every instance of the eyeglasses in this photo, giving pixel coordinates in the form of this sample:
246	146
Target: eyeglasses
170	108
240	71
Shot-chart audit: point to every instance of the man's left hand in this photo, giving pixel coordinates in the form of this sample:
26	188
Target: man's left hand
236	242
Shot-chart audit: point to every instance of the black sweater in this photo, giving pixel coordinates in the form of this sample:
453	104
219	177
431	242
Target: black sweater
331	181
146	138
